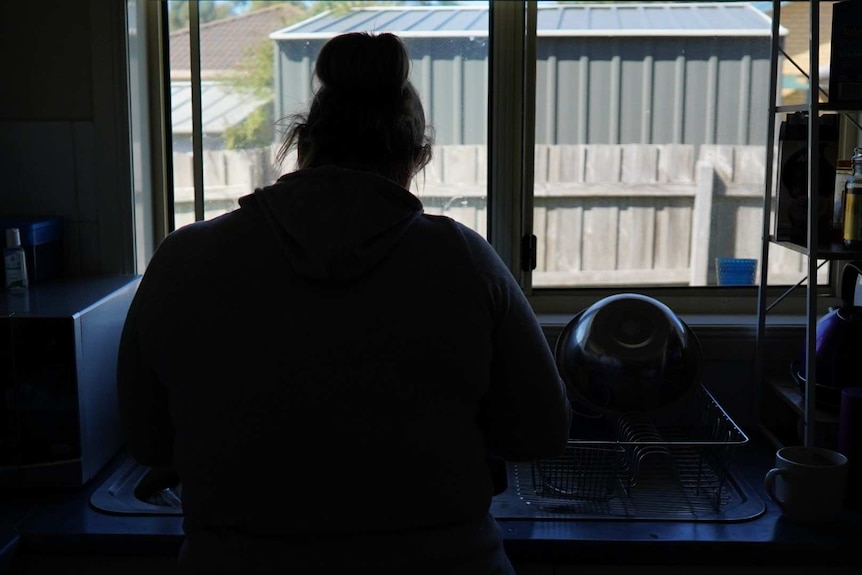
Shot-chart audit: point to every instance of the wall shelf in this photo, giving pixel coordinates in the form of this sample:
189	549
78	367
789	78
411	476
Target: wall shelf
832	251
782	416
783	402
823	107
790	393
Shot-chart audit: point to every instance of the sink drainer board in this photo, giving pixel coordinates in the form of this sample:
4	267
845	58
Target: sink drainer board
662	493
672	466
122	494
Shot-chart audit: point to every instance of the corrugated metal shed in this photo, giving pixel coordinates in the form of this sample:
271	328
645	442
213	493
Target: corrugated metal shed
638	73
646	18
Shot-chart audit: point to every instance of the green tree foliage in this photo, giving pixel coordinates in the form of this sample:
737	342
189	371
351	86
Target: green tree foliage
251	5
336	6
254	75
257	130
342	6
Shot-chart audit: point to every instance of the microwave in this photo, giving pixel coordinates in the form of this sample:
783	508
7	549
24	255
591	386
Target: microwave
59	414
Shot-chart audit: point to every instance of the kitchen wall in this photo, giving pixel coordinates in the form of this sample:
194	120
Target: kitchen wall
63	128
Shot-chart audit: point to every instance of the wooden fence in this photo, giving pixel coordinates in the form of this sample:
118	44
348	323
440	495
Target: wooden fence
603	214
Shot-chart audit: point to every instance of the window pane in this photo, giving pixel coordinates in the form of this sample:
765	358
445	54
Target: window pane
651	125
236	101
140	132
257	60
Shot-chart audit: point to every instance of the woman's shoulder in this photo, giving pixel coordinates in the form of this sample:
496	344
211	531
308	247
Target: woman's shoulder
446	224
475	245
206	230
196	240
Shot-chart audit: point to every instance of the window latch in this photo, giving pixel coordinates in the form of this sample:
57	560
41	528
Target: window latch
528	252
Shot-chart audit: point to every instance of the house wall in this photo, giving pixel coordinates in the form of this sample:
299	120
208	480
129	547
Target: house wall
450	74
589	90
651	90
64	126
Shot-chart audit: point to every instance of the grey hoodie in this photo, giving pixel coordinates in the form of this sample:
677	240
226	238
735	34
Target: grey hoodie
342	233
329	362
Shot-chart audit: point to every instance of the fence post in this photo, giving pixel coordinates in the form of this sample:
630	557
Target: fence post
701	222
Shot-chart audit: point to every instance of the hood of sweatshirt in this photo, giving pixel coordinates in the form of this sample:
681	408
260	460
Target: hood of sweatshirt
335	223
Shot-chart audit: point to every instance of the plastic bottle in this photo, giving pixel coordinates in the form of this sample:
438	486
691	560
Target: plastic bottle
853	204
843	170
15	262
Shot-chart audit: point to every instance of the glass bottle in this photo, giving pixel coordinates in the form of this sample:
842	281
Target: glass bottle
853	203
15	262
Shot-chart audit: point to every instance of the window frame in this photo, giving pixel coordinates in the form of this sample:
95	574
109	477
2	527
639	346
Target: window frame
511	127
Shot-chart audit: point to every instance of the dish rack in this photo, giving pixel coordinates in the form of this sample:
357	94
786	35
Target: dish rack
685	453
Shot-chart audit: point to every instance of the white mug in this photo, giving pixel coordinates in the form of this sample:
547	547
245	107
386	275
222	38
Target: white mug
808	483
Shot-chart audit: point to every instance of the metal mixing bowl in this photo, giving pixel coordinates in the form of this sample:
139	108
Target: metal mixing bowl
628	353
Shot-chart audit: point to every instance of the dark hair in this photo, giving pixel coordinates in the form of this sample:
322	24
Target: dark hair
365	112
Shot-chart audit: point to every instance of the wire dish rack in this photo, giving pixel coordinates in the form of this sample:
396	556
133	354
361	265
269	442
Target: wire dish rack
667	464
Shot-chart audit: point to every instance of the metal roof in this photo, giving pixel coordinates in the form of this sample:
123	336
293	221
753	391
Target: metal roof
635	19
221	107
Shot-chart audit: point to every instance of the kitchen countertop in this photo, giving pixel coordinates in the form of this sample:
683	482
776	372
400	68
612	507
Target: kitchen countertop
63	523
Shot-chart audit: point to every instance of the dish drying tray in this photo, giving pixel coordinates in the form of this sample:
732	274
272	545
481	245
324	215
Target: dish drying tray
675	465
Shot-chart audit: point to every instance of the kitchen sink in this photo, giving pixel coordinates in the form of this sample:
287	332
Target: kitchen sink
664	491
673	466
135	489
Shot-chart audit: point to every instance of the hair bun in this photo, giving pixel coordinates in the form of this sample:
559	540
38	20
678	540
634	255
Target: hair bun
364	64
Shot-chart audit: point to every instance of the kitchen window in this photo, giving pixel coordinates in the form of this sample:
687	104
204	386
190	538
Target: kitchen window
602	147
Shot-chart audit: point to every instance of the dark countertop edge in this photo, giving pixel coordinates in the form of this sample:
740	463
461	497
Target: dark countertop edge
713	553
66	524
101	544
560	552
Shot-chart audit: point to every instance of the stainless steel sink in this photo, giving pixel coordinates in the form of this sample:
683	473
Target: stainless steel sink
135	489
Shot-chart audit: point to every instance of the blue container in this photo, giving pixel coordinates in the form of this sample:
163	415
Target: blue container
42	239
735	271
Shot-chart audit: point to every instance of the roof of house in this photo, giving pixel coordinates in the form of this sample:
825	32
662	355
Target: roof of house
221	107
225	42
635	19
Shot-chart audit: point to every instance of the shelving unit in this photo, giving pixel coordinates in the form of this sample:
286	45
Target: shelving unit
795	400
